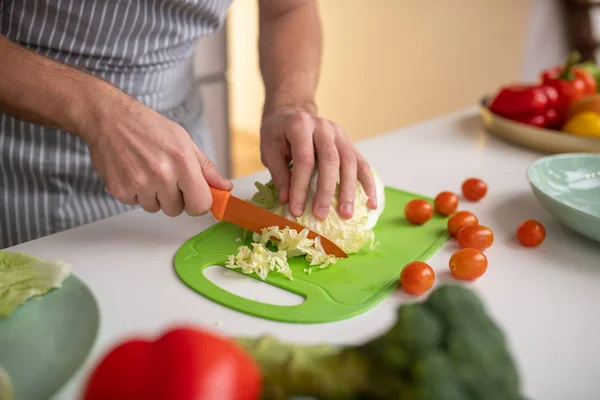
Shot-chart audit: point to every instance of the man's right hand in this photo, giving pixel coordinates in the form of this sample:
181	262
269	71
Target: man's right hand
143	157
147	159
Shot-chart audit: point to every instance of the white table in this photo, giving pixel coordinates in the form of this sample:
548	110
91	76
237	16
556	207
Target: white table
546	299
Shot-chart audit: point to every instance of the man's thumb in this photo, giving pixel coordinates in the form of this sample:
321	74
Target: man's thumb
211	173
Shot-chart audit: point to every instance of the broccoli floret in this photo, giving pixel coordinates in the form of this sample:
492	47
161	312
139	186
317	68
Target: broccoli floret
446	347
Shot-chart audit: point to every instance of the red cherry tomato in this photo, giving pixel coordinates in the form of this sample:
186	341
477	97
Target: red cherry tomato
418	211
531	233
417	277
461	219
468	264
477	236
474	189
446	203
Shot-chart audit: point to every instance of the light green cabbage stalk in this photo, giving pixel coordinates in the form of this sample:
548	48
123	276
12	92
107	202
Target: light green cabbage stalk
23	277
351	235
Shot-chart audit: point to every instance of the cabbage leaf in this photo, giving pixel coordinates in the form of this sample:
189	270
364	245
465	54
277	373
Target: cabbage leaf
23	277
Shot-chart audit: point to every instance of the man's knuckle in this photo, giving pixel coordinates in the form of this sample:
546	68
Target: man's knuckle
329	190
305	158
173	211
140	182
200	206
332	156
298	122
120	193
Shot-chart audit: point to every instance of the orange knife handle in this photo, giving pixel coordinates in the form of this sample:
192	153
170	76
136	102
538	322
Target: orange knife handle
220	199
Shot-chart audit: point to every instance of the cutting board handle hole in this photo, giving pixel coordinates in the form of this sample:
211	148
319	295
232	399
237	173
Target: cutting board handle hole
250	288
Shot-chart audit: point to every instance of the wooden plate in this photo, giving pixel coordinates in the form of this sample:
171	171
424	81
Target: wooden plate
545	140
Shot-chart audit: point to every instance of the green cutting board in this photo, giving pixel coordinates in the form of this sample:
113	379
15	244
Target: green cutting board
340	291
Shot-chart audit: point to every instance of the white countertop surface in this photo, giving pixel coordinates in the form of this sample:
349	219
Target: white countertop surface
546	299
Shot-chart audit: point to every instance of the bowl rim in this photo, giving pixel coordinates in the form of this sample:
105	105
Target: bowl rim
540	160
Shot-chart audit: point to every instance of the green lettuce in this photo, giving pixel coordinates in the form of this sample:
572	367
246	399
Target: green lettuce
23	277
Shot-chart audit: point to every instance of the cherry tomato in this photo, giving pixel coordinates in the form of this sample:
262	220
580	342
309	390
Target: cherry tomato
446	203
468	264
461	219
531	233
417	277
477	236
418	211
474	189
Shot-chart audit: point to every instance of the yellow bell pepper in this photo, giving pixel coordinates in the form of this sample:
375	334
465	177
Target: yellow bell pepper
585	123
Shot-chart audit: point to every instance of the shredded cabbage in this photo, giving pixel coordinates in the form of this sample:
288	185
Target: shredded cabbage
23	277
351	235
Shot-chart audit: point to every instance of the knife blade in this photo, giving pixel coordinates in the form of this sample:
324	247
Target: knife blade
234	210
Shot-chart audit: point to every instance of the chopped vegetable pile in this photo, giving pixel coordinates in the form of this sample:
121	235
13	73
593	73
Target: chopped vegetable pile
446	347
270	251
23	277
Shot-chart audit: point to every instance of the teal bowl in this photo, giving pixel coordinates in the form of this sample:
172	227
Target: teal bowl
568	186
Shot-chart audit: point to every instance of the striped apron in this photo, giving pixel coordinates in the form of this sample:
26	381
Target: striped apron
146	48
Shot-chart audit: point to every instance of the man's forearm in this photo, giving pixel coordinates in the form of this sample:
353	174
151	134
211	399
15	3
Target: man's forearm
40	90
290	44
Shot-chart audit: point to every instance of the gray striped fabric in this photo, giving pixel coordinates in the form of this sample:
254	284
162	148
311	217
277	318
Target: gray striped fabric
145	47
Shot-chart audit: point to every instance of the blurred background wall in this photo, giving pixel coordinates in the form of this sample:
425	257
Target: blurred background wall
391	63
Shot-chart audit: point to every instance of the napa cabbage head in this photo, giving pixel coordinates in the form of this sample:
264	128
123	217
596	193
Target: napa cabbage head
351	235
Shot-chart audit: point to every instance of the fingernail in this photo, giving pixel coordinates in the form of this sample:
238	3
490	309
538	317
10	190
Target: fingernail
297	209
347	208
322	212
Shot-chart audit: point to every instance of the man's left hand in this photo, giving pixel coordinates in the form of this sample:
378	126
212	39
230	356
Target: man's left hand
298	135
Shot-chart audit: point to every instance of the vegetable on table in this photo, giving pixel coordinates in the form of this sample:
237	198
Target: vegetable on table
185	363
459	220
478	237
23	277
531	233
530	104
468	264
474	189
446	347
586	123
418	211
445	203
417	278
570	82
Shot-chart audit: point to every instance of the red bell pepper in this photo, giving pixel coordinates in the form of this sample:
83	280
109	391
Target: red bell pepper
185	363
529	104
571	83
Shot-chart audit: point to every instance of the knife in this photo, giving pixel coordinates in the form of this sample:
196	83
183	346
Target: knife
239	212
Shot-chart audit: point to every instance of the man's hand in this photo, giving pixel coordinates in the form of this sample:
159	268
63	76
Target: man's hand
296	135
290	54
145	158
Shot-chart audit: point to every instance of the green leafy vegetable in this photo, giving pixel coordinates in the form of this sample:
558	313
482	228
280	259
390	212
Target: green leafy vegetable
351	235
23	277
446	347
